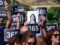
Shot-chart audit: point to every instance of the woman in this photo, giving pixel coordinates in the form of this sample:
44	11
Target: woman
6	6
30	39
53	37
16	39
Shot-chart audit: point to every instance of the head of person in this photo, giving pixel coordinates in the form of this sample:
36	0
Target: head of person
30	39
54	36
33	18
16	39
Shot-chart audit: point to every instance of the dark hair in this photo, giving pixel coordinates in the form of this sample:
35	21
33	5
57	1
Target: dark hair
18	38
34	17
50	34
30	35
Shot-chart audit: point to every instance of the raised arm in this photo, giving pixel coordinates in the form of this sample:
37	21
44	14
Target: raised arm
8	14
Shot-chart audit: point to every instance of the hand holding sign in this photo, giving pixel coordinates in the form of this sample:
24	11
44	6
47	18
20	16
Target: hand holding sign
26	23
24	29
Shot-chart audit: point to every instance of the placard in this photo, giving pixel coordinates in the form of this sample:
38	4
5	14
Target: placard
8	33
34	28
51	26
32	17
42	11
21	19
15	10
18	9
21	9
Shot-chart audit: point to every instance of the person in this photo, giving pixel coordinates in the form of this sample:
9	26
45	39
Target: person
15	24
43	33
17	39
32	19
41	41
42	20
6	6
30	39
42	25
53	37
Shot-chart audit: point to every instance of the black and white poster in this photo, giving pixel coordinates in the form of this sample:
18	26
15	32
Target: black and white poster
32	19
51	26
8	33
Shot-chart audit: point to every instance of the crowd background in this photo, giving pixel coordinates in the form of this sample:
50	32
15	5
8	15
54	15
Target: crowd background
53	12
23	39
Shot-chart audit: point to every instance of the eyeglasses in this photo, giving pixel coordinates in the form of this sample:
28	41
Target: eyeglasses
55	35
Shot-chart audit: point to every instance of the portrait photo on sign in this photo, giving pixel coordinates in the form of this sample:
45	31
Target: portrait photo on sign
32	17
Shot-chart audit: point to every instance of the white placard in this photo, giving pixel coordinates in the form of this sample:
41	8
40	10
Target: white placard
32	17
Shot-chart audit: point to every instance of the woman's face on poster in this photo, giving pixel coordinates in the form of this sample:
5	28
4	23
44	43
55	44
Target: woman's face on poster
32	18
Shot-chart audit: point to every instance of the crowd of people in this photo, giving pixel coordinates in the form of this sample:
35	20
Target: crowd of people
25	37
